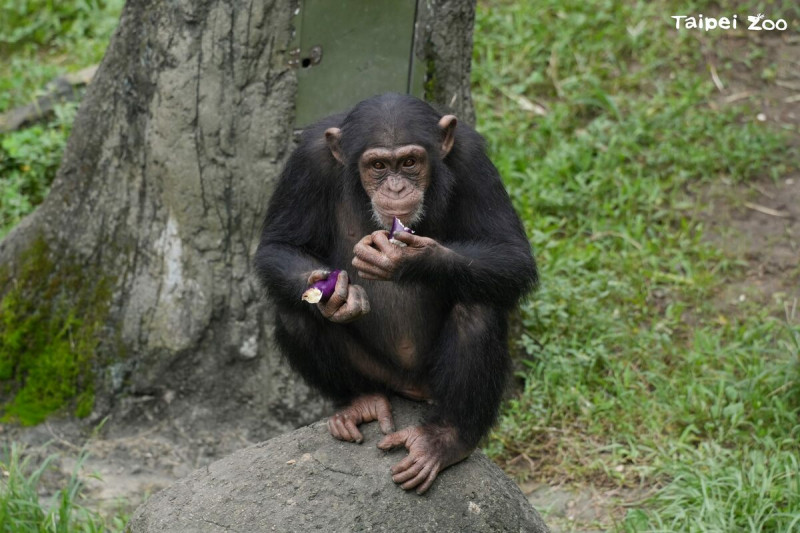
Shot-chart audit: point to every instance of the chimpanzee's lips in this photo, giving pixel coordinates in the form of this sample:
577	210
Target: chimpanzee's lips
399	214
389	216
400	210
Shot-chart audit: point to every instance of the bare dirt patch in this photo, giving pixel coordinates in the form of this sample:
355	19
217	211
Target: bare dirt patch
123	466
584	509
758	223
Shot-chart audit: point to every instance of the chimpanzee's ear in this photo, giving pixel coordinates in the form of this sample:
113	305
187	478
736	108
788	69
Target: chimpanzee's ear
448	126
332	137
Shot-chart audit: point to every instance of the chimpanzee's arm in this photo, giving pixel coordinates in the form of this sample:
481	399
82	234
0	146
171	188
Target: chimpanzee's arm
497	273
297	230
484	256
284	270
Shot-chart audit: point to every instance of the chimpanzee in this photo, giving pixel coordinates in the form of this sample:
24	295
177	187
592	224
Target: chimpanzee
427	320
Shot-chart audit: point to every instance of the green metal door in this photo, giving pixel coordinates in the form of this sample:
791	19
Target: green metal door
348	50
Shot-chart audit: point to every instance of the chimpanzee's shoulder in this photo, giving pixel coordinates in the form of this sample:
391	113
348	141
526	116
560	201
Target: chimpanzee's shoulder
469	160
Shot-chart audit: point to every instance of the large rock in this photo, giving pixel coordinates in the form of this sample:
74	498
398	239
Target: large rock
307	481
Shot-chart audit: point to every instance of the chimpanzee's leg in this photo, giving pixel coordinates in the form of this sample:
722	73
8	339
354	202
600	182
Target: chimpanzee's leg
469	368
323	354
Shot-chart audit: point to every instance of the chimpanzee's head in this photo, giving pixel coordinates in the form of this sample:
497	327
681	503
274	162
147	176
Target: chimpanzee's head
394	143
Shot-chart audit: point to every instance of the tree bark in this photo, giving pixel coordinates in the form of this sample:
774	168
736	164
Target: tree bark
444	44
161	193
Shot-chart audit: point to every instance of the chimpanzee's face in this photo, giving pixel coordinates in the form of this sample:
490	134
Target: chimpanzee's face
395	176
395	180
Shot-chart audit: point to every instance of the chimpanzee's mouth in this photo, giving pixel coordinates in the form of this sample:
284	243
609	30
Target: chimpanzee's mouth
385	218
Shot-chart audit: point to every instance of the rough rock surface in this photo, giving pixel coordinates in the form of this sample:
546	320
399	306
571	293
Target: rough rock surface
307	481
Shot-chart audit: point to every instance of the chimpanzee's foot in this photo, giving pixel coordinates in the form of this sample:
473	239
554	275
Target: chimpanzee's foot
431	449
344	424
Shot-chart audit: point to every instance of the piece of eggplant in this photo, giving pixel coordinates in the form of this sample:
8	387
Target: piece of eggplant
398	226
322	290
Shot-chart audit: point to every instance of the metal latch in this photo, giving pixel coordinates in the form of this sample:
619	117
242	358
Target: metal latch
314	57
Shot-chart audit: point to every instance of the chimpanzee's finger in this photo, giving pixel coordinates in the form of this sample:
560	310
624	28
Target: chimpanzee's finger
363	299
381	242
342	285
351	310
337	429
404	475
410	239
357	304
355	434
343	315
338	298
369	268
366	266
393	440
419	478
317	275
383	413
428	482
331	428
405	464
366	240
370	255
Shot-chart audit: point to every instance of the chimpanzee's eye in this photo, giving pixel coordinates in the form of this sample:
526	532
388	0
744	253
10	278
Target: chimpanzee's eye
378	165
409	162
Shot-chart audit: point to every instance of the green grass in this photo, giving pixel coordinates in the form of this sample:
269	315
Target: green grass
23	511
39	41
634	376
42	39
29	159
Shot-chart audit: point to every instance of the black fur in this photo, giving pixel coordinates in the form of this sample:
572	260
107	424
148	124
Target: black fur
455	310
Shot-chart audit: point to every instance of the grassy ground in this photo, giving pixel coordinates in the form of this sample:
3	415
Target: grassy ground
598	116
22	510
40	40
633	376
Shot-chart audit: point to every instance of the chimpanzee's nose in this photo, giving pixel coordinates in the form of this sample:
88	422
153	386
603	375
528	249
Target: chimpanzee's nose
397	185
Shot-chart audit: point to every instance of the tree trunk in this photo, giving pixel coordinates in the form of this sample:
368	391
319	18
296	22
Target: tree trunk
137	269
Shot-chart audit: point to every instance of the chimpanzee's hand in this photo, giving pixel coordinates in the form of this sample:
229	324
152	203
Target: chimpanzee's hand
347	303
378	259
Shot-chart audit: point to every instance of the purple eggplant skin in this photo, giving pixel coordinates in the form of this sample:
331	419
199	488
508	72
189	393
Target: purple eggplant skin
321	291
398	226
